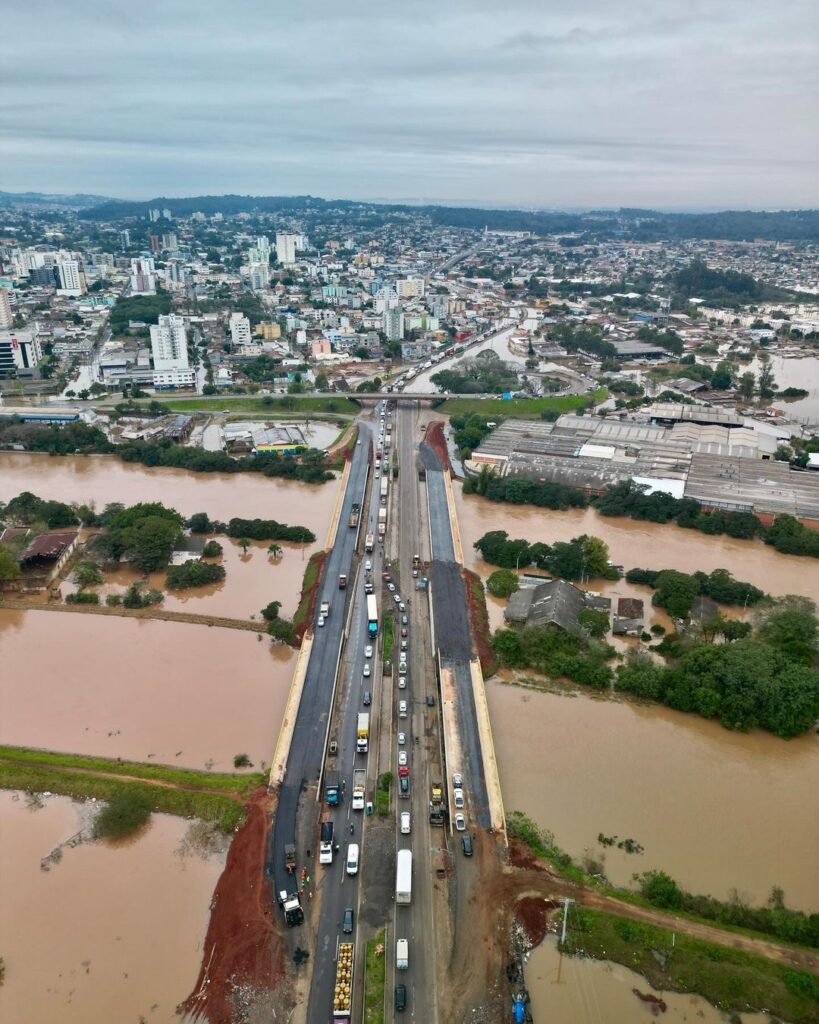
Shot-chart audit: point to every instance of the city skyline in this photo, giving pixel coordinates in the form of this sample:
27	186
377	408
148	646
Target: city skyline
653	106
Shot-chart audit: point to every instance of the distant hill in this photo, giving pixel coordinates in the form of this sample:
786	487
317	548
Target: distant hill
78	201
636	224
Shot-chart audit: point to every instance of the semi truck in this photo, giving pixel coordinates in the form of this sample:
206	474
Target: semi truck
369	543
385	483
362	742
332	789
372	617
359	783
343	991
382	516
403	878
326	843
436	804
291	906
355	515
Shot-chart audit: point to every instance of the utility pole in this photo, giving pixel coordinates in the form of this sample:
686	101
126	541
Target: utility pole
566	903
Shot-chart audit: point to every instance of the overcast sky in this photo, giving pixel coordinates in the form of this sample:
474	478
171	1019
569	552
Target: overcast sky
687	104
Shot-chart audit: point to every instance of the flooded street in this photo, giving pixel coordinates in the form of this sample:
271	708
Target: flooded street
717	810
634	543
141	690
108	934
586	991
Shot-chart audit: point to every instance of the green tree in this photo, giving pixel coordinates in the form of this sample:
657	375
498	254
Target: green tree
595	556
282	631
594	621
9	567
124	813
507	645
87	574
150	543
747	384
676	592
271	611
792	629
502	583
765	383
661	890
275	550
212	549
244	544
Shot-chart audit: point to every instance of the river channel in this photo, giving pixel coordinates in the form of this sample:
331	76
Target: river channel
141	690
587	991
110	933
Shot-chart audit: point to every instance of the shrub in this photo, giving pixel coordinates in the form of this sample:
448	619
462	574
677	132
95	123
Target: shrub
124	813
242	761
212	549
82	598
193	574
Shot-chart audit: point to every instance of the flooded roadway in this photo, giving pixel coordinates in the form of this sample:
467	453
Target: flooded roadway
109	933
139	689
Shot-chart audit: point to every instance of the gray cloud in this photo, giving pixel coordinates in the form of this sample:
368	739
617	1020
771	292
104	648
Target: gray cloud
533	102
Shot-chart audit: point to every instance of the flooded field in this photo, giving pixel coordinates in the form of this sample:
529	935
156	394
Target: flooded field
177	693
633	543
108	934
715	809
794	373
579	991
101	479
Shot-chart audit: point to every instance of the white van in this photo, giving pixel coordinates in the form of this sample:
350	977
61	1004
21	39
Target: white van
352	859
405	823
402	709
402	954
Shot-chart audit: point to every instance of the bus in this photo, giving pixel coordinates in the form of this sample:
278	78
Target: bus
385	483
372	617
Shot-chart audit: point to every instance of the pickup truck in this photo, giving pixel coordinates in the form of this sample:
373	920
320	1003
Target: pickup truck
324	608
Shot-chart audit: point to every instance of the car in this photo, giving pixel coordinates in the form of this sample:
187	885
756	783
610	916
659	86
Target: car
460	824
457	780
397	599
405	823
321	620
404	620
415	574
368	651
458	797
377	473
400	997
404	643
430	701
366	672
404	631
368	698
401	606
466	842
402	681
368	566
347	923
402	739
402	660
391	587
402	757
403	784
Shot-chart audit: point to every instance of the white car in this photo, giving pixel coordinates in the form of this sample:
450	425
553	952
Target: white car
368	651
457	780
391	587
402	682
405	823
460	824
366	670
402	758
402	739
401	606
377	473
321	620
368	566
397	599
404	644
458	795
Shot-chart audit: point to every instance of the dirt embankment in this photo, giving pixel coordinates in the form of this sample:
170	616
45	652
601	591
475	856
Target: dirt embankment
305	613
242	947
479	620
434	437
153	612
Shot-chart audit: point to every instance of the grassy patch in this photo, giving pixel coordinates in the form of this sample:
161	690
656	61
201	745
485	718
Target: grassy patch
479	618
382	794
226	812
542	844
308	590
375	976
520	408
389	637
287	405
187	778
730	979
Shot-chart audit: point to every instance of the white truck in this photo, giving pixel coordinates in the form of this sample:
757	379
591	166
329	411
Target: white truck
403	878
362	742
402	954
324	608
359	781
326	843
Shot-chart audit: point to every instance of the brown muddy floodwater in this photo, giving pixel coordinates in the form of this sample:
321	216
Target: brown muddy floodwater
717	810
582	991
140	689
633	543
108	934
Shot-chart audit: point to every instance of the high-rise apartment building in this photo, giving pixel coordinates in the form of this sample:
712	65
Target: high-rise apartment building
69	277
125	239
20	352
240	330
394	323
170	241
6	316
286	249
258	276
411	288
143	277
169	347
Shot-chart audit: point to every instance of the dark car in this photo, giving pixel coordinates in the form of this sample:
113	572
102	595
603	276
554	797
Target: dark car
430	701
347	925
400	997
466	842
368	698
